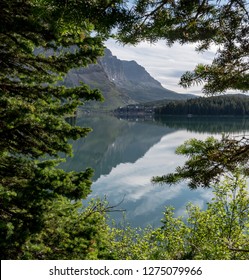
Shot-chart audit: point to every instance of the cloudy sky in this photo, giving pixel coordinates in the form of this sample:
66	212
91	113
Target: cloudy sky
163	63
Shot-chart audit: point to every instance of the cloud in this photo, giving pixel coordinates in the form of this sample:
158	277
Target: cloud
163	63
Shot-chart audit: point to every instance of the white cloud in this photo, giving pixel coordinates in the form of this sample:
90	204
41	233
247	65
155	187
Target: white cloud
163	63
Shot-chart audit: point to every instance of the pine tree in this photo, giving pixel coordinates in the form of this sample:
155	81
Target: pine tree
40	41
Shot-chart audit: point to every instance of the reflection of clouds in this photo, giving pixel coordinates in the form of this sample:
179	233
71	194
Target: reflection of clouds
206	194
132	181
156	199
181	212
200	199
199	202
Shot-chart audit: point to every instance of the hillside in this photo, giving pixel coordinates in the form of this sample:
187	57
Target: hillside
121	82
237	105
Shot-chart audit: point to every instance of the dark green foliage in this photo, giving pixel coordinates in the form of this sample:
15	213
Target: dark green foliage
72	232
209	160
236	105
40	41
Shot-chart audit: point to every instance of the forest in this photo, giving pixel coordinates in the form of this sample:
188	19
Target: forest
235	105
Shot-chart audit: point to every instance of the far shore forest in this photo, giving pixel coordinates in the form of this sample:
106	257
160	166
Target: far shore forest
226	105
234	105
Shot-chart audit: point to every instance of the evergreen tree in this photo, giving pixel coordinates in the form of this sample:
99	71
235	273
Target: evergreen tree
209	160
40	42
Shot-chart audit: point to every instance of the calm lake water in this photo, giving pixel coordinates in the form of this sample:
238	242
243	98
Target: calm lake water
126	154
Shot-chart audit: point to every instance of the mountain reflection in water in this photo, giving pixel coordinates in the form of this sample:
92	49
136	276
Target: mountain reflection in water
125	155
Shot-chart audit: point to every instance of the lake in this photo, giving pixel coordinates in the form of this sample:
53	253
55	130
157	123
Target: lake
127	154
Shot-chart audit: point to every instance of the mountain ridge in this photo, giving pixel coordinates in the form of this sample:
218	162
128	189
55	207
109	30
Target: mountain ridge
121	83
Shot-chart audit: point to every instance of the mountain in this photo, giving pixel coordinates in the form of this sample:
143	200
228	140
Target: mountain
121	82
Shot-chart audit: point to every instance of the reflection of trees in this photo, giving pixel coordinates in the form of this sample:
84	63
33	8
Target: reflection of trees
115	141
206	124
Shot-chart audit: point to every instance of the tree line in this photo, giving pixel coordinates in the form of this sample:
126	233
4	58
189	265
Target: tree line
235	105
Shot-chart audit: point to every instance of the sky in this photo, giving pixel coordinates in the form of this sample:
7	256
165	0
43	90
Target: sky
165	64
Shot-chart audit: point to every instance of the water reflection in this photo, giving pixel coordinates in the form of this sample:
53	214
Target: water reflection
112	142
210	124
144	201
125	156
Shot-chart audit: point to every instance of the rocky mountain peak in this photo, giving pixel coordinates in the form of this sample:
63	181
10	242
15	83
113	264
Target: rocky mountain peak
121	82
122	72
